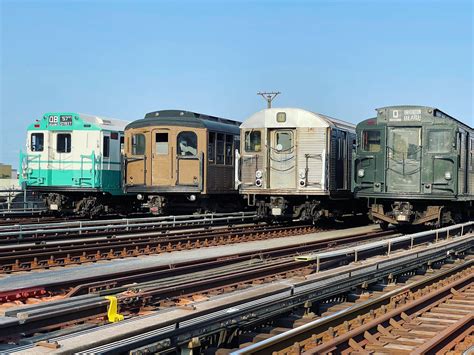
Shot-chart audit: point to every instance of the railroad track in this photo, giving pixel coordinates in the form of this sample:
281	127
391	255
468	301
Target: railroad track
17	258
164	287
87	284
426	314
199	314
432	321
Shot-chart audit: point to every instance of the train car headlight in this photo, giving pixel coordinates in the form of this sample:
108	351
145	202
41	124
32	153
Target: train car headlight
258	174
361	173
447	175
258	182
140	197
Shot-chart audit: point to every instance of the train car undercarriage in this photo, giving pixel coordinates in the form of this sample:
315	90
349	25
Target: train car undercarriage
419	213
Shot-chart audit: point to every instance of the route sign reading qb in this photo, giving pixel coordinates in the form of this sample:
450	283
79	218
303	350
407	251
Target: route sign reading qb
62	120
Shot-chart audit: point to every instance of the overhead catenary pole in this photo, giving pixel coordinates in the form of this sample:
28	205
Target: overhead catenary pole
269	96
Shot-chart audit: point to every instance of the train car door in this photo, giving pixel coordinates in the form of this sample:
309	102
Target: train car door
282	159
188	159
136	158
438	159
162	158
63	156
404	159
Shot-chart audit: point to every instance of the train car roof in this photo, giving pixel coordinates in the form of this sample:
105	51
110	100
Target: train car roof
77	121
434	111
295	117
106	123
186	119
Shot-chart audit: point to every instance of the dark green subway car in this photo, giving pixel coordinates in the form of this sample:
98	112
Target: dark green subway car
414	166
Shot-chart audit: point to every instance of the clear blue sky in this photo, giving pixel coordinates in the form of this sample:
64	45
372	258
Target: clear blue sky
125	58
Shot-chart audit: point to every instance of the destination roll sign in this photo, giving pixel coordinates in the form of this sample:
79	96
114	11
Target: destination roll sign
62	120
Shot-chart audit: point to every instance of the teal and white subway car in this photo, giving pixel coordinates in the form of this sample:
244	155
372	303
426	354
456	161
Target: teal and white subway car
74	161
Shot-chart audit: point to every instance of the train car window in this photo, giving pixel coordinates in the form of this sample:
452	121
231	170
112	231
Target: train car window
371	141
37	142
211	148
253	141
281	117
122	143
106	147
229	142
439	141
138	144
63	143
220	149
187	144
285	139
161	143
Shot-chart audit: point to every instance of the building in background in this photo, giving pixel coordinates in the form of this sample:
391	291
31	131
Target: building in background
8	177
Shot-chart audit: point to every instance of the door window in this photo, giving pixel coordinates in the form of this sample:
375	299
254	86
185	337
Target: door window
63	143
161	143
37	142
138	144
284	140
253	141
187	144
405	143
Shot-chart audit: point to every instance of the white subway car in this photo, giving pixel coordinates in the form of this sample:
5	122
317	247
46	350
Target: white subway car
296	164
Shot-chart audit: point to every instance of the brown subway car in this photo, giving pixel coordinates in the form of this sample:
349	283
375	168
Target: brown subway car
181	161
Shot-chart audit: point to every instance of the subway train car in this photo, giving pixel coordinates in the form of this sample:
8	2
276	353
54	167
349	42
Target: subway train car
73	160
182	161
296	164
414	166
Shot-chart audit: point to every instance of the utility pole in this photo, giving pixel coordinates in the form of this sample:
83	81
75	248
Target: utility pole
268	96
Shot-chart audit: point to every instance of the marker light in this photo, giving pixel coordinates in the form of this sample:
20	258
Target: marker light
361	173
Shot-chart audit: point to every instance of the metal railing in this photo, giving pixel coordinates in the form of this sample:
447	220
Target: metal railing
80	227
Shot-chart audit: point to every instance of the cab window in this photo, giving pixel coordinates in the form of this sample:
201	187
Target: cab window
253	141
37	142
187	144
138	144
63	143
371	141
439	141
